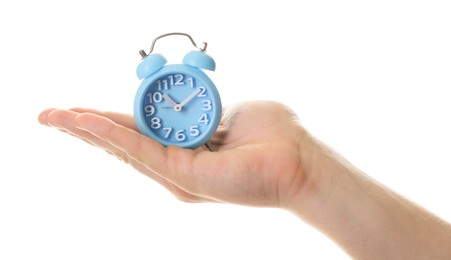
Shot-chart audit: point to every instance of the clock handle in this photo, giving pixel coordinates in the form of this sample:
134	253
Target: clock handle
144	54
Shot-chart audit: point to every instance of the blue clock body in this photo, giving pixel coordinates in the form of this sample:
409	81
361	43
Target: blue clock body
177	104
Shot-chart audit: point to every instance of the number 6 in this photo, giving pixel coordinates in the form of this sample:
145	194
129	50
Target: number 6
180	135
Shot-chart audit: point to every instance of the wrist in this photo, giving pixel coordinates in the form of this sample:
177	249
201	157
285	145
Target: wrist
334	197
365	218
323	171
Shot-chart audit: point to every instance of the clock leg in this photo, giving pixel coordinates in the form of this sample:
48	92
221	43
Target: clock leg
209	146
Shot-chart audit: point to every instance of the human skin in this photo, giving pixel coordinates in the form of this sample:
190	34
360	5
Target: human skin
264	157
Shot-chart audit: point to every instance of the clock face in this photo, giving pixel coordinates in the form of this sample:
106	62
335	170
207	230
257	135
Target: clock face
179	108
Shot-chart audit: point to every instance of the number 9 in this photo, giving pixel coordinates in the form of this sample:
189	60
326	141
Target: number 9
150	110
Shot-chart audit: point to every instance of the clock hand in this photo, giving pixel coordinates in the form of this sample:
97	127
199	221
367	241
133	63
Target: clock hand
169	100
188	99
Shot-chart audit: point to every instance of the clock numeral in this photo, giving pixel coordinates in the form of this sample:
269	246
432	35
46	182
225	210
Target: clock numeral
156	97
180	135
171	80
202	92
206	104
168	131
150	110
203	119
191	82
162	84
155	123
176	80
194	130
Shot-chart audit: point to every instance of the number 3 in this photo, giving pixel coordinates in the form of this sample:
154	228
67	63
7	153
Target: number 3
207	104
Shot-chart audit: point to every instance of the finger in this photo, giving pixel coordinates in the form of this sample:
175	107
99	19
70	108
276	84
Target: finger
137	146
64	120
42	118
172	163
119	118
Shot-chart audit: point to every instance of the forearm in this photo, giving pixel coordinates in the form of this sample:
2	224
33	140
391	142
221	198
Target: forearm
365	218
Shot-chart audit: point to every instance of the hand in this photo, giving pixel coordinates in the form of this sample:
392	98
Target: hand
256	160
263	157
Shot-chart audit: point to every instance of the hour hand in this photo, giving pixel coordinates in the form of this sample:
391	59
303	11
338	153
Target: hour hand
169	100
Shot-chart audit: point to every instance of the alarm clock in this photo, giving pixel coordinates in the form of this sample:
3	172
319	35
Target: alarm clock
177	104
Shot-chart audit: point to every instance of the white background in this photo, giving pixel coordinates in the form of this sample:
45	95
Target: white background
369	78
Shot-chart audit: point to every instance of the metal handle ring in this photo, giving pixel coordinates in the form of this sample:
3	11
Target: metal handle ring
144	54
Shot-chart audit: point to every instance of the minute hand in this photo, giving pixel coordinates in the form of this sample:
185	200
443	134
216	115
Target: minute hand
188	99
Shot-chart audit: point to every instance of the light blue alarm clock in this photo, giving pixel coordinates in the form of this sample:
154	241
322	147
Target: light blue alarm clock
177	104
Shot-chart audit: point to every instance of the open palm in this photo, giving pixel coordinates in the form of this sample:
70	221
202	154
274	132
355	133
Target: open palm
256	158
